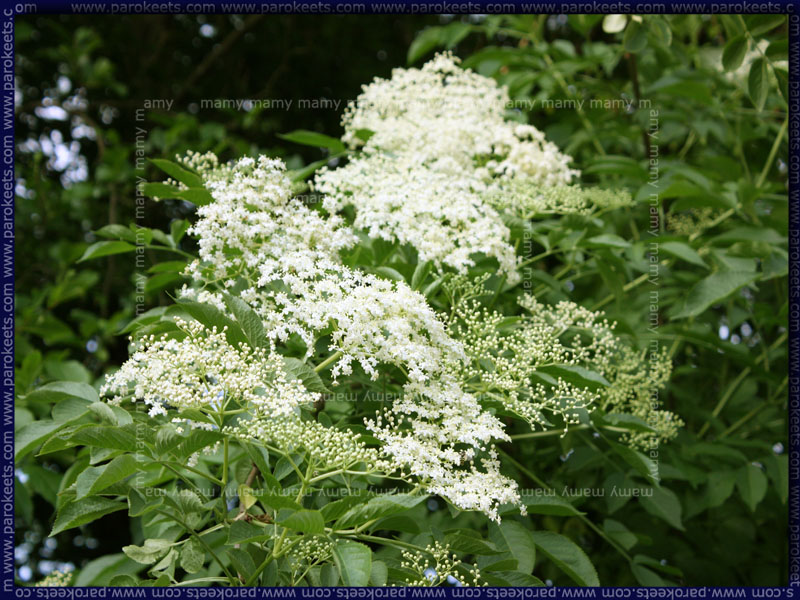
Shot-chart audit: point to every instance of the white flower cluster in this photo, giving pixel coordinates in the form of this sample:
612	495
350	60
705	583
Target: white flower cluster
202	371
284	258
437	155
56	578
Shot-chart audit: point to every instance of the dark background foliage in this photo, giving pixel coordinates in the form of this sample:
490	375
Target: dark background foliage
721	517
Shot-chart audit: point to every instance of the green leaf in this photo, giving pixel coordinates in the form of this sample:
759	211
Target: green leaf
211	316
306	521
193	555
619	533
778	471
242	532
608	240
511	579
242	562
250	322
549	505
96	479
33	435
379	574
733	54
637	460
567	556
421	273
758	83
579	376
354	561
760	24
297	369
312	138
635	38
149	552
378	507
426	41
664	504
712	290
100	249
461	540
514	537
102	570
682	251
752	485
117	232
80	512
178	173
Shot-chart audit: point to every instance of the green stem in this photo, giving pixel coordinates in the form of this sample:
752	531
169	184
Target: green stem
328	361
775	146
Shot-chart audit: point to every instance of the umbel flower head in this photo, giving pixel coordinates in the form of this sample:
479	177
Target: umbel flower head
439	164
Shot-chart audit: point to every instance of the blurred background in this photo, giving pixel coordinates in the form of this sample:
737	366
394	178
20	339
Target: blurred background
718	85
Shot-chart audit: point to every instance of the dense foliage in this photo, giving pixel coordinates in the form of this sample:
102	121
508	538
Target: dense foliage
524	320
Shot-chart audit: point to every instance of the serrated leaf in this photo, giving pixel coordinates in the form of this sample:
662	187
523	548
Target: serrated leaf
682	251
80	512
574	374
354	561
297	369
517	539
378	507
242	532
248	320
712	290
96	479
306	521
149	552
663	503
567	556
193	555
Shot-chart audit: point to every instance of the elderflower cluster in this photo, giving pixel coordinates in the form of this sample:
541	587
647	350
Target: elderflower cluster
438	147
520	363
204	371
282	258
437	566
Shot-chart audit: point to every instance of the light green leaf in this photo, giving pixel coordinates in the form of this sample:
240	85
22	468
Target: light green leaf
307	521
379	573
193	555
297	369
149	552
250	322
96	479
354	562
614	23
